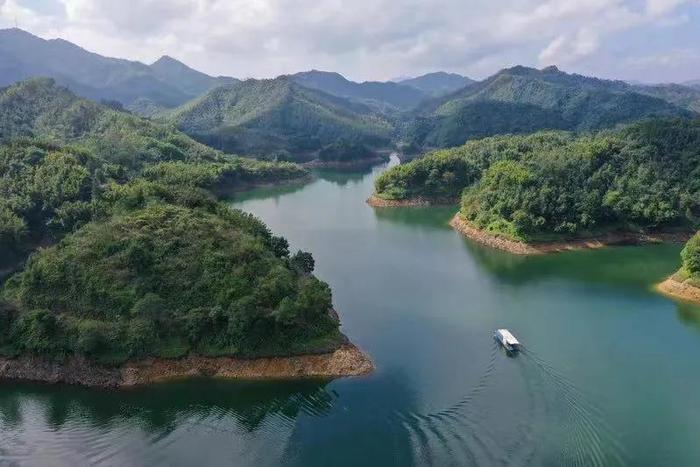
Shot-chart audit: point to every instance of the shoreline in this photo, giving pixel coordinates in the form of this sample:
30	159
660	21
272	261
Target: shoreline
594	242
345	361
678	290
420	201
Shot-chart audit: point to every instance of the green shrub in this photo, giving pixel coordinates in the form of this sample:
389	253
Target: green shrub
691	256
38	332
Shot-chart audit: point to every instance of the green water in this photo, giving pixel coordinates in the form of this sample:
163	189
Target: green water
610	374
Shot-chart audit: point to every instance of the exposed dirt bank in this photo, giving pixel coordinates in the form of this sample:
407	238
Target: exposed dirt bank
522	248
674	288
378	202
347	360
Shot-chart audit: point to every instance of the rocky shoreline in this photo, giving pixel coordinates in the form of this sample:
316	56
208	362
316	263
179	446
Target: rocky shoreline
420	201
681	290
347	360
599	241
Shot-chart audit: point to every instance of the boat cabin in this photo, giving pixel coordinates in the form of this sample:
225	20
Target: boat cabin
507	340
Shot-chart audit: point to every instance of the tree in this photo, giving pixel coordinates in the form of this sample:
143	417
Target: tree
303	262
691	255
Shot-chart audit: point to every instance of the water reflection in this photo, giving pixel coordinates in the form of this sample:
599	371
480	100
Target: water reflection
625	266
268	192
158	406
342	178
689	313
436	217
165	424
371	409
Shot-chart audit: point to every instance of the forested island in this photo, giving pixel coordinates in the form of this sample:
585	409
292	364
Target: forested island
131	270
551	190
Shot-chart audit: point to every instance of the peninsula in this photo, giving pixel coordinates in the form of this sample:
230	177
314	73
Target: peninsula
555	191
129	270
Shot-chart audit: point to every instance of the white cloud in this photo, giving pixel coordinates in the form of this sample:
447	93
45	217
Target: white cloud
566	49
365	39
662	7
670	58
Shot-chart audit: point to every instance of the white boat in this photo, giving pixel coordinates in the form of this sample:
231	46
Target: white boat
507	340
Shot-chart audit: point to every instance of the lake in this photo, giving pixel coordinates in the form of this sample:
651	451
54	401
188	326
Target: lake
609	374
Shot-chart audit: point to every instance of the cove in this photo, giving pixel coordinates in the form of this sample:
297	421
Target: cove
609	374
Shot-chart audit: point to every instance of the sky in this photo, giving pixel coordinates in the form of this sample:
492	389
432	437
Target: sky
639	40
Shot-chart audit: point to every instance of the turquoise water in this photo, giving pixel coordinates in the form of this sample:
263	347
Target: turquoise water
609	375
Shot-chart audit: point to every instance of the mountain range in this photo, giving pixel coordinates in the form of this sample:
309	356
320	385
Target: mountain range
165	83
295	116
380	95
524	100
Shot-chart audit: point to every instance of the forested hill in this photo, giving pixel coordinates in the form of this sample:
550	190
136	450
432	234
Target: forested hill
40	108
524	100
166	83
129	252
278	118
147	265
382	96
646	175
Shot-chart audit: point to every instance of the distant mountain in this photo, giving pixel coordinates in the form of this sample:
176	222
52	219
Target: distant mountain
380	95
693	83
686	96
188	80
524	100
167	83
277	116
438	84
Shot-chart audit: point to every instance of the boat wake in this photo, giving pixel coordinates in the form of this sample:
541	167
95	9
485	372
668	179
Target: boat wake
456	434
557	423
586	439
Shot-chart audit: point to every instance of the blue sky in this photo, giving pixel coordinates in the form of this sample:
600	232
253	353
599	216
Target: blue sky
644	40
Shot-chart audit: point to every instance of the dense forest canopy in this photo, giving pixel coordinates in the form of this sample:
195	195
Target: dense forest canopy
163	279
645	175
137	256
149	264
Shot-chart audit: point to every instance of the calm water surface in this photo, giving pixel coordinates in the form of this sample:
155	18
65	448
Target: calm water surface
610	374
